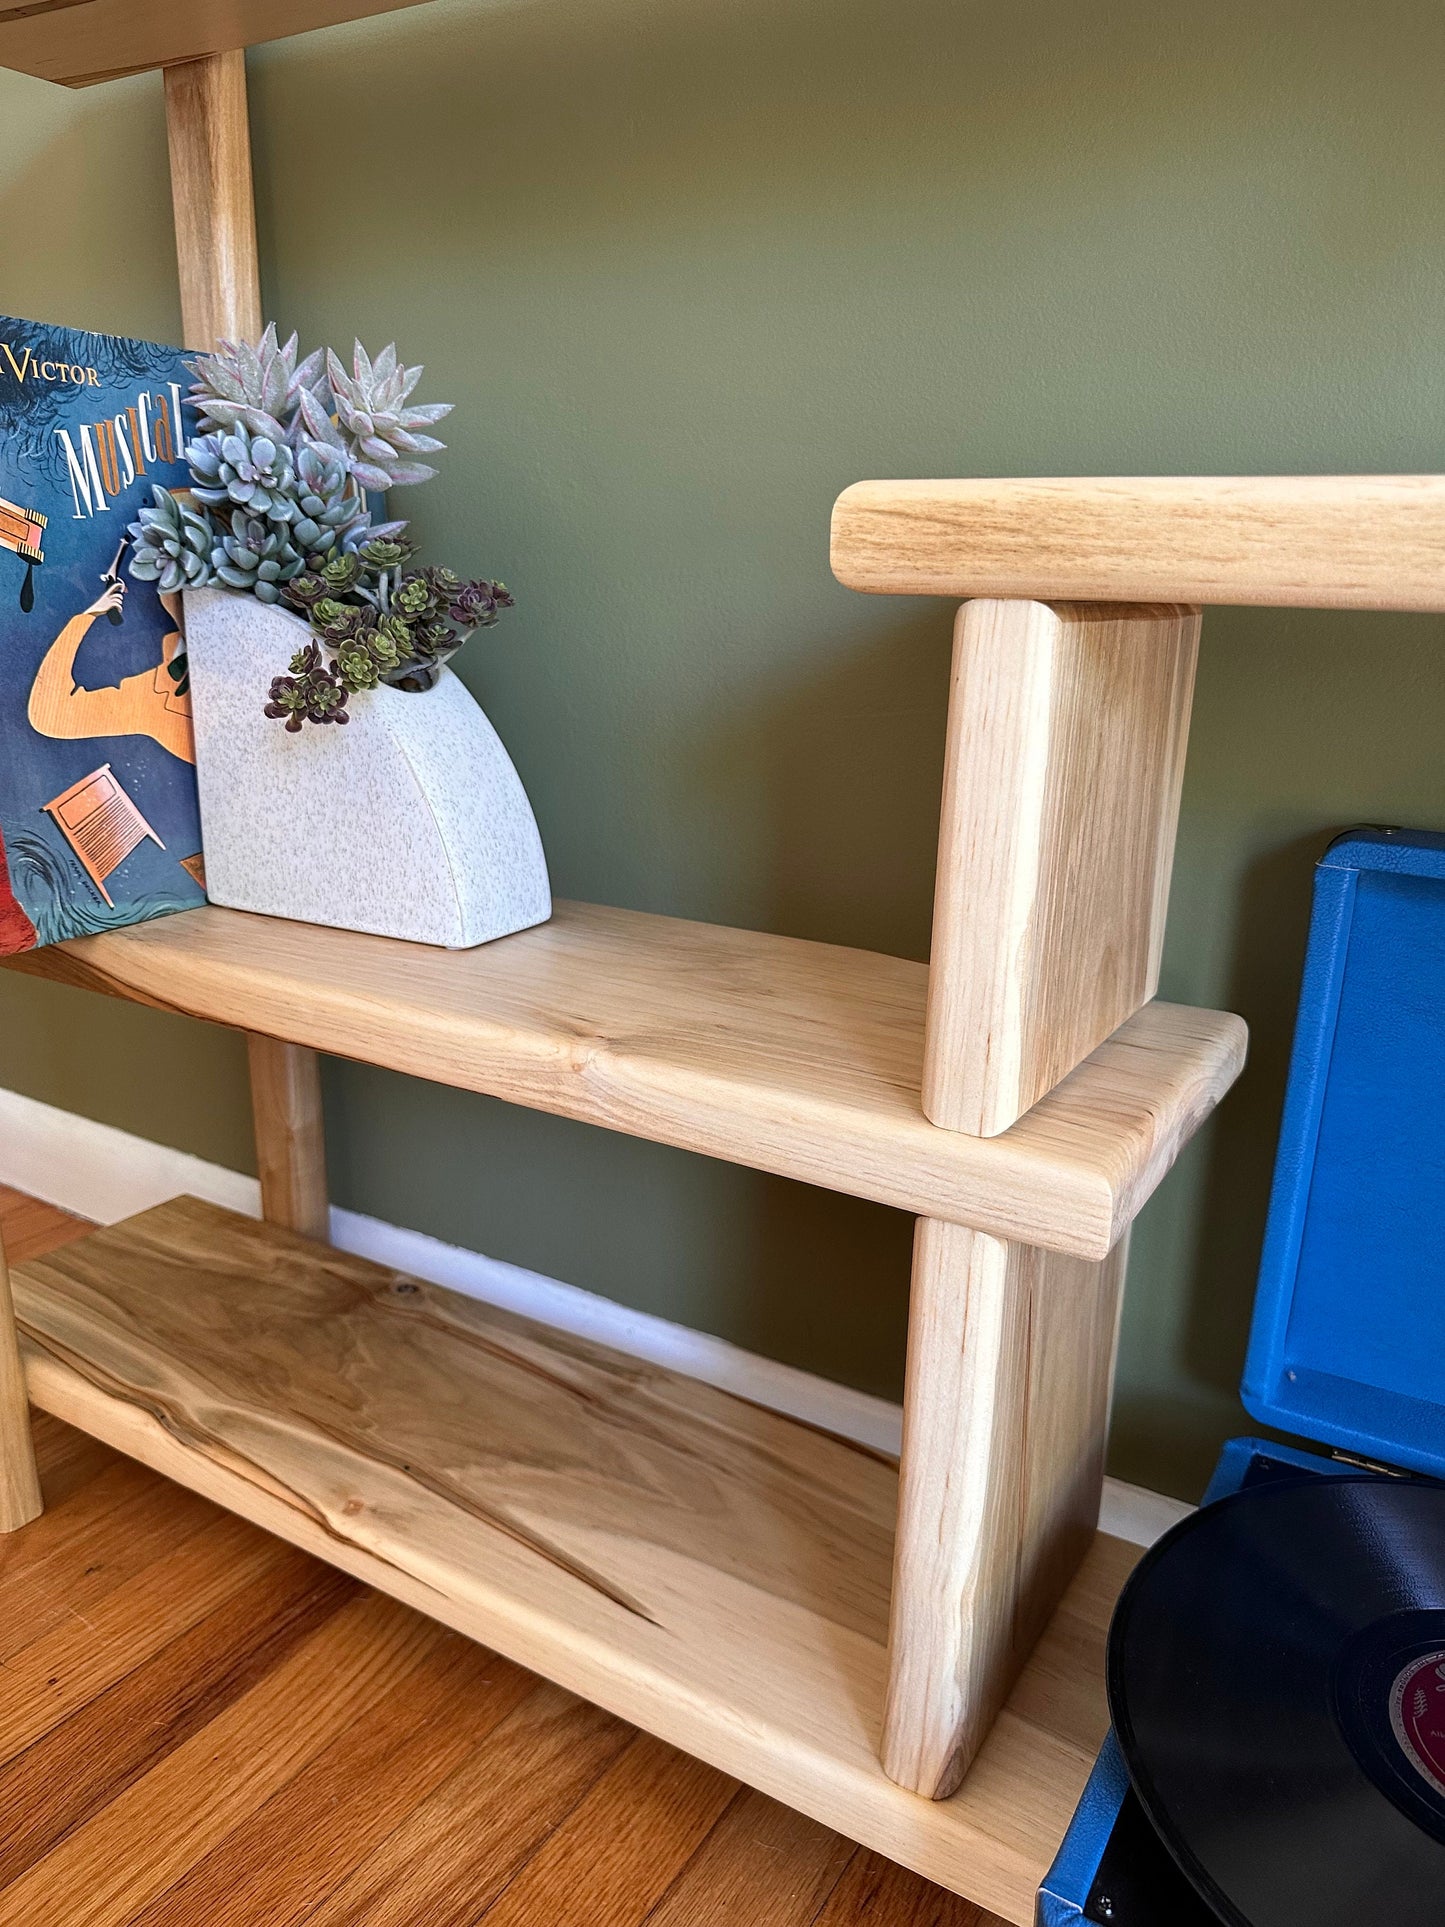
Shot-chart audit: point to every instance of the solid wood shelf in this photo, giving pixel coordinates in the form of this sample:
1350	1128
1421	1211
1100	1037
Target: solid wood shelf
712	1571
80	42
1310	541
803	1059
716	1573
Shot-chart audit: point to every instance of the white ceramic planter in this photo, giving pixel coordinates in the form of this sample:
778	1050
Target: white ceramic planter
409	821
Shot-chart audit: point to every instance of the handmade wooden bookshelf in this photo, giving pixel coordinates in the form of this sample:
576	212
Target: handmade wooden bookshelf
836	1630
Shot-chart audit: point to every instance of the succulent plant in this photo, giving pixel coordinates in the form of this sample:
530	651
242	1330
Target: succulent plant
358	666
256	556
380	553
388	623
336	622
341	573
289	451
258	388
171	545
312	693
412	598
327	505
375	425
476	605
390	642
255	472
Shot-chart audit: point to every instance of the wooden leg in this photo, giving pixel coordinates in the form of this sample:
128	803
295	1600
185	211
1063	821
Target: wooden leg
1010	1365
20	1499
290	1136
1066	733
210	146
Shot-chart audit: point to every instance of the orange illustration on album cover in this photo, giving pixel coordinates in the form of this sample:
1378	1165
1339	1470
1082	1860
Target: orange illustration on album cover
154	703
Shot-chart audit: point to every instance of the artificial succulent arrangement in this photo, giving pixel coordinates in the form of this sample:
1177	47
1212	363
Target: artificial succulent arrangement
278	508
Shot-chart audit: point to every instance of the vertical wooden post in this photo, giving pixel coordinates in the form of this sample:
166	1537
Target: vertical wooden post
1010	1366
210	147
20	1499
290	1139
1066	736
210	143
1066	733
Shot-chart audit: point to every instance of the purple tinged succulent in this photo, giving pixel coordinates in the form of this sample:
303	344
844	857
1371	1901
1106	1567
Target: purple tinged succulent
255	388
380	429
478	604
305	590
314	693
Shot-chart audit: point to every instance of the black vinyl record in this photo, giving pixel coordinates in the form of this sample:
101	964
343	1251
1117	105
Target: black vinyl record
1276	1678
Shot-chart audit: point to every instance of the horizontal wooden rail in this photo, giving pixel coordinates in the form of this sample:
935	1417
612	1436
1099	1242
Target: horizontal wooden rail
80	44
1303	541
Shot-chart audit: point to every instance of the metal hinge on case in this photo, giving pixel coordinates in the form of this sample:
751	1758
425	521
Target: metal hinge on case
1367	1465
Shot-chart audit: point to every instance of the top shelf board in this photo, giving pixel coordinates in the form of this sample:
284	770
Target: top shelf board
80	42
803	1059
1300	541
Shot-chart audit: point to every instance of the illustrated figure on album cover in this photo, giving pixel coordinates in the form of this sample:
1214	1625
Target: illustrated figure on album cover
99	824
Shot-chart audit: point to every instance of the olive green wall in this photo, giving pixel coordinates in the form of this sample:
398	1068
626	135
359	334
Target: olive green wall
688	267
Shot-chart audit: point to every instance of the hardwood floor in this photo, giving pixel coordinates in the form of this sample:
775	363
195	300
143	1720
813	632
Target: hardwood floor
202	1727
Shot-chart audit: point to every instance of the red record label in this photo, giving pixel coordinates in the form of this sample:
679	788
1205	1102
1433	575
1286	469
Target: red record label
1417	1716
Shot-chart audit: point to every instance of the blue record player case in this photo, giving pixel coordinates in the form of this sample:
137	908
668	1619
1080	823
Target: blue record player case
1347	1347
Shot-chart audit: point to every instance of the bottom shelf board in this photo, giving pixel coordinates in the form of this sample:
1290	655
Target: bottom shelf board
711	1571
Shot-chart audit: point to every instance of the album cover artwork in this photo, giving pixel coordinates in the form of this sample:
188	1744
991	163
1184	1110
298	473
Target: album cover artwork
99	824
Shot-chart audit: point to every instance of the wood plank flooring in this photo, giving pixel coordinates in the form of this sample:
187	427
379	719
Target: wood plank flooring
201	1727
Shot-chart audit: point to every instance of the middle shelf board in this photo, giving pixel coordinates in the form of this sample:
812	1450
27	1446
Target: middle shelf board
803	1059
712	1571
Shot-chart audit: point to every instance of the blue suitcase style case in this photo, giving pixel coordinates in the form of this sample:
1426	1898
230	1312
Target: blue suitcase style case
1347	1347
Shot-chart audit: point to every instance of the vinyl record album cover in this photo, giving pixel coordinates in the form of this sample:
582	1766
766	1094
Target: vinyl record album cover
99	824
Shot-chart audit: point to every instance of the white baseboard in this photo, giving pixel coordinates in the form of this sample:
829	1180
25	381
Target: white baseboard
105	1174
101	1173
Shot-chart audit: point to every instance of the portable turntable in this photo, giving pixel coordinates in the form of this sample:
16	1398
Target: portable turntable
1277	1663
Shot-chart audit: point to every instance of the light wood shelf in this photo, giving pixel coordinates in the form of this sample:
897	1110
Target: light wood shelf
80	42
715	1572
1309	541
799	1058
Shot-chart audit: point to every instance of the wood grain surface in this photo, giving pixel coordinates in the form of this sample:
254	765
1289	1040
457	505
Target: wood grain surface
30	1227
715	1572
1066	733
80	42
20	1500
209	135
804	1059
290	1135
1010	1364
428	1776
1308	541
